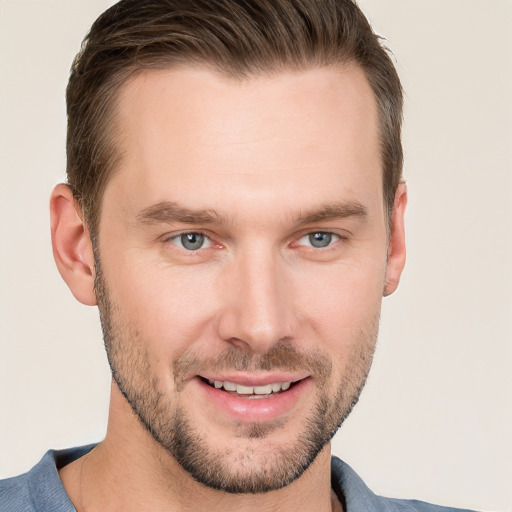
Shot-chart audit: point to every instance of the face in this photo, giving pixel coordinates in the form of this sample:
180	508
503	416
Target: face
241	265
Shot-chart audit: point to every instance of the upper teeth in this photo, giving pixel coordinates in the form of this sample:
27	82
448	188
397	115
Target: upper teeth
252	390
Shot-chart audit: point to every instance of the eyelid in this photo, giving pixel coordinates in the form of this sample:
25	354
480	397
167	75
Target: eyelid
338	236
171	237
335	237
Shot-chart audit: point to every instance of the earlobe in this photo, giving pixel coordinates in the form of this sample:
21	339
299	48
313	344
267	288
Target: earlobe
396	249
72	247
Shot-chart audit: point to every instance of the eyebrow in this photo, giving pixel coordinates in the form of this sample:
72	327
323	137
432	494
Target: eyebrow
333	211
169	212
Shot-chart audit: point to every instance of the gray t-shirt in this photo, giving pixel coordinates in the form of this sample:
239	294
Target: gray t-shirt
41	490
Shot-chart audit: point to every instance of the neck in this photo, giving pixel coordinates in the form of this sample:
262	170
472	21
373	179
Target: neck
129	471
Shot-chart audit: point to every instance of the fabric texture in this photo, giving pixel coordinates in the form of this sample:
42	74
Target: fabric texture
41	490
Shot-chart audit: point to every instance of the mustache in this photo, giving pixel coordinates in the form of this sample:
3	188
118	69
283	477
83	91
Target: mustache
282	356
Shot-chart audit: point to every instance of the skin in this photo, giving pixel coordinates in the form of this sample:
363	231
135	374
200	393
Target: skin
263	154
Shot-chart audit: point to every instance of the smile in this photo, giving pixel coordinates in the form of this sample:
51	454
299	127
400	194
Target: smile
250	398
259	391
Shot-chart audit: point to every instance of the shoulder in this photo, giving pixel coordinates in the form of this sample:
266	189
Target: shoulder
15	494
419	506
357	497
40	489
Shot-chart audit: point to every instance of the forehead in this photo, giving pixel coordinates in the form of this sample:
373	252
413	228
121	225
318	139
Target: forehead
291	137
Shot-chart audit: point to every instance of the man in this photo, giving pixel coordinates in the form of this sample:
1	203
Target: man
235	209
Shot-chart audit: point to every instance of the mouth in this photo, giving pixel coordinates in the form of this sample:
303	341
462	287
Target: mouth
252	392
245	398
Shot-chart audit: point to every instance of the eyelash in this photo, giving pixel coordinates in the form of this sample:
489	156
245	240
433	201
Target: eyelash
330	234
178	236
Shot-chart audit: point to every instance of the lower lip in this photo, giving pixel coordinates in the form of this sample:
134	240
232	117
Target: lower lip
255	410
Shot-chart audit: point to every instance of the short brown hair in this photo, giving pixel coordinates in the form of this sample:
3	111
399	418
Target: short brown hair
238	37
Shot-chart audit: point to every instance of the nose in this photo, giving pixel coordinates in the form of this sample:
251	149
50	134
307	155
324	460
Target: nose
257	302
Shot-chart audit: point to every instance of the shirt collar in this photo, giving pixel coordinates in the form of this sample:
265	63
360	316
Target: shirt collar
353	493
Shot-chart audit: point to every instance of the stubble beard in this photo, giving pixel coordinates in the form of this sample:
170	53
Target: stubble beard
227	470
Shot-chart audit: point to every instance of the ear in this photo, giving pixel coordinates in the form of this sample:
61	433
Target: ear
71	243
396	248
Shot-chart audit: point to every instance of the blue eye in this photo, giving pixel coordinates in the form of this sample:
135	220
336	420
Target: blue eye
192	241
319	239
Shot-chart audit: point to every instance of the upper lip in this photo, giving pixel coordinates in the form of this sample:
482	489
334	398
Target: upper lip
255	380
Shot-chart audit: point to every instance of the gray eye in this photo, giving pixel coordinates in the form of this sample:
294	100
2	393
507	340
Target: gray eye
320	239
192	241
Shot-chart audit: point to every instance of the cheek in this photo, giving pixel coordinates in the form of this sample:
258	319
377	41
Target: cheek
343	303
174	307
169	306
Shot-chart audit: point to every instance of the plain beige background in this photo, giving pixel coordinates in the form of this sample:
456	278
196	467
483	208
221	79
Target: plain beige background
435	420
